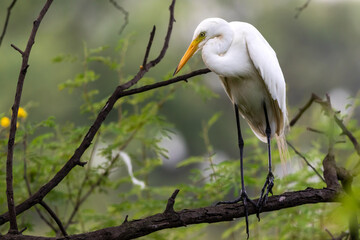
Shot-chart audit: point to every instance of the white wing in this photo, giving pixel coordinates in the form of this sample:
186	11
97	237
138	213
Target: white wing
265	61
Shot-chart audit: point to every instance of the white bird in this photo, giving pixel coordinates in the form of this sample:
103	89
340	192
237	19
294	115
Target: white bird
252	78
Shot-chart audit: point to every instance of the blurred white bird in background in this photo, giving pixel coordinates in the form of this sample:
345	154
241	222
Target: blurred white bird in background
252	78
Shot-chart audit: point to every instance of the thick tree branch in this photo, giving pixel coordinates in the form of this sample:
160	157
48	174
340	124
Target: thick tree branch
330	174
173	219
15	108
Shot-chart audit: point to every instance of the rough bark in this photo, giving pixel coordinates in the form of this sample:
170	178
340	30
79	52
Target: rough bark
173	219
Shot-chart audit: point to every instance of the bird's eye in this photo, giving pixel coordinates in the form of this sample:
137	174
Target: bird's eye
202	34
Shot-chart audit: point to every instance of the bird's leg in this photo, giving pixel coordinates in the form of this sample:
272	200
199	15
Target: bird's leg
269	183
243	195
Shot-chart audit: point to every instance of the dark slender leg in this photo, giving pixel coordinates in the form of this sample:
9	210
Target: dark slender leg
243	195
269	183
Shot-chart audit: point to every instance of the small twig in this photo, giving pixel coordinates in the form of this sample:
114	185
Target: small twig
22	230
123	11
302	110
126	219
306	161
348	134
167	37
152	34
171	201
326	105
154	62
55	217
300	9
332	236
315	130
17	49
12	4
343	235
15	108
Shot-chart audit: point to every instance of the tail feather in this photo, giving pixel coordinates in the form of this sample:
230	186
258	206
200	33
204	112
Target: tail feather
284	153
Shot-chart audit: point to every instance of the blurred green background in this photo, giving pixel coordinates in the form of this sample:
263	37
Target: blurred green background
318	52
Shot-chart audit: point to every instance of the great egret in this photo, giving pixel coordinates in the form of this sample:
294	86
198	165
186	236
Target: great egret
252	78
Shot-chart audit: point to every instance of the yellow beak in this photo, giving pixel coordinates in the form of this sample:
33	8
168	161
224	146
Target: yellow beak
188	54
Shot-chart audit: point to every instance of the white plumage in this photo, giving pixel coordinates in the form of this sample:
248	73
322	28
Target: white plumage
253	80
249	70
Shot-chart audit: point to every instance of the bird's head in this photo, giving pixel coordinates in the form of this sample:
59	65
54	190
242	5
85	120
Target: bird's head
207	29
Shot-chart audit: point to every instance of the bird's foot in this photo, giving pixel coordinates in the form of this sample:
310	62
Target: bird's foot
268	185
245	199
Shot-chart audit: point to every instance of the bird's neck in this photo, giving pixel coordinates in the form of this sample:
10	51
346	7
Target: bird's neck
216	48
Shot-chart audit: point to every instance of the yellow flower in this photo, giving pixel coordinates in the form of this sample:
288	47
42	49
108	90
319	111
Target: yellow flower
5	122
22	113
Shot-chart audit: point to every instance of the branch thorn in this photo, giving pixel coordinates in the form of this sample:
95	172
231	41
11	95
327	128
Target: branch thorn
17	49
126	219
170	204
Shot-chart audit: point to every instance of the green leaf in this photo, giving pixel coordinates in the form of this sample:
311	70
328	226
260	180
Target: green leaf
50	122
64	58
213	119
98	49
79	80
191	160
105	60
